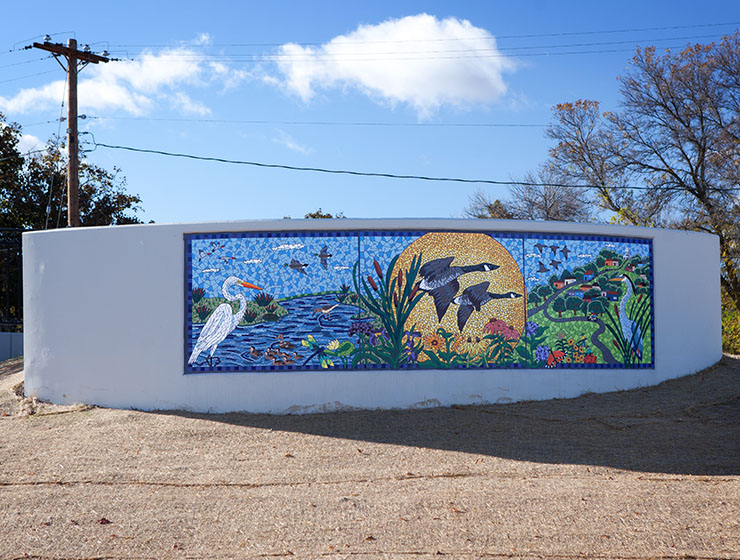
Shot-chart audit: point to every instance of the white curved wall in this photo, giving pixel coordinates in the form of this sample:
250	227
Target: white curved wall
104	325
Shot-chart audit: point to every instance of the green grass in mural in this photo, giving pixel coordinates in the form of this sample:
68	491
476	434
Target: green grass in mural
253	314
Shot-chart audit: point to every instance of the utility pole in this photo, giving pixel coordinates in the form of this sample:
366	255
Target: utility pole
73	58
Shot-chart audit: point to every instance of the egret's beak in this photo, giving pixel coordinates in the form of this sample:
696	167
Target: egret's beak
248	285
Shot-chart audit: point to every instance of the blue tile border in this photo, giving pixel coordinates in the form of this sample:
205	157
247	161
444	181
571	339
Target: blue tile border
187	281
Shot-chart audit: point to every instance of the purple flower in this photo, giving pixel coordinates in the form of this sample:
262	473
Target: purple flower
360	327
375	337
531	327
542	353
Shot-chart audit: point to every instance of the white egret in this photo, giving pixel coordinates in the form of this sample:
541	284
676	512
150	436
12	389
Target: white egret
222	321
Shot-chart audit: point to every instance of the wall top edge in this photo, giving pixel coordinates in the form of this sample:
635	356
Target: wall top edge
278	225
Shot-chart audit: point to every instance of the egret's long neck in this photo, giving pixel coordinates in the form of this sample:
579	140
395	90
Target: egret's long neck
242	308
242	303
623	303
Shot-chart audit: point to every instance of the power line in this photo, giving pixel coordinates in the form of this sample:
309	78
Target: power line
26	76
26	61
366	173
324	123
38	123
526	36
23	155
333	58
470	50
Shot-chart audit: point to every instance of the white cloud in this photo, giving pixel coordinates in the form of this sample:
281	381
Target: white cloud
418	60
289	142
28	143
134	86
187	105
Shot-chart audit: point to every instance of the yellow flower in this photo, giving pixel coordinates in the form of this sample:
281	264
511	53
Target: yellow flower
571	342
472	345
333	345
568	360
434	342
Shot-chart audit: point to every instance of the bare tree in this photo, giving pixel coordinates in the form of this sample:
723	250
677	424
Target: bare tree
543	196
670	156
538	196
480	206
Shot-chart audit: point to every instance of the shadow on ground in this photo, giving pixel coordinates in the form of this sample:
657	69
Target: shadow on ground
688	426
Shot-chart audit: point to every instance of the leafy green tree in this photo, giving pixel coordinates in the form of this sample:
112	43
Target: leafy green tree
545	291
321	215
593	294
573	303
533	298
33	189
559	306
597	306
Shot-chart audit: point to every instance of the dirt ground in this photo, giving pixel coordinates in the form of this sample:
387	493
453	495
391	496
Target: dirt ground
649	473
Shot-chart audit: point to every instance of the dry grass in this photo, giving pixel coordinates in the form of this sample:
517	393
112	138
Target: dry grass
650	473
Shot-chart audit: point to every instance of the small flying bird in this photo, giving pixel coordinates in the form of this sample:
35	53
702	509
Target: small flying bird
542	268
554	249
476	297
324	256
565	252
554	263
540	247
297	266
214	247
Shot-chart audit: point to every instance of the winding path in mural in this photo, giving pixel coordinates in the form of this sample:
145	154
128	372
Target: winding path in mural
605	352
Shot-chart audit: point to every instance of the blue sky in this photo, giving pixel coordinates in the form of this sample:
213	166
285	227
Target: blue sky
417	70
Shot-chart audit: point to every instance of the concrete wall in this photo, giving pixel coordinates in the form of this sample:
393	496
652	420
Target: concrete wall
11	345
104	325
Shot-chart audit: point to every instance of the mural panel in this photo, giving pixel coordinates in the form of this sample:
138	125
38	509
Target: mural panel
409	299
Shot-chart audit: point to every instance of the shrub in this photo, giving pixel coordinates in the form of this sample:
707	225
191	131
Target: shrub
202	311
263	299
730	326
198	294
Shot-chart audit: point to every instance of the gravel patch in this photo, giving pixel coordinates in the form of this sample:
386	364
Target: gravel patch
648	473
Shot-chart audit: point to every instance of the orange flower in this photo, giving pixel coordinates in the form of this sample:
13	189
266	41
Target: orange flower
434	342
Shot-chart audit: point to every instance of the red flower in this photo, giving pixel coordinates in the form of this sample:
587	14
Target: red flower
589	359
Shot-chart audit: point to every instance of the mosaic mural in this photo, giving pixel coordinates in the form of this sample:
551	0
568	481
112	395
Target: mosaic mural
401	299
